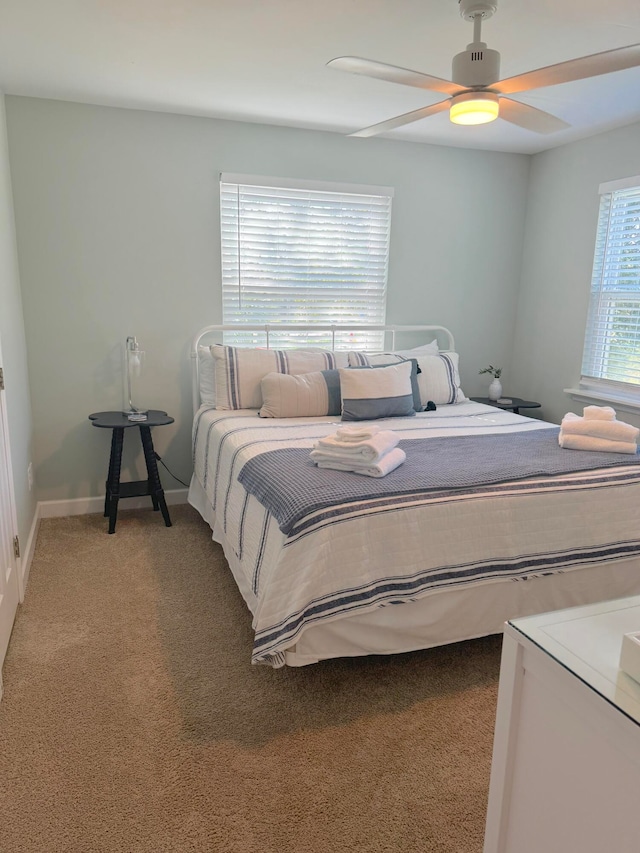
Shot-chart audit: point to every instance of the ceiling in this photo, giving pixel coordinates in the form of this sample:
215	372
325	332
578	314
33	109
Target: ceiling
265	60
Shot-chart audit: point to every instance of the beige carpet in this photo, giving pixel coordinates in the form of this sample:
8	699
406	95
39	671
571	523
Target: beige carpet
133	720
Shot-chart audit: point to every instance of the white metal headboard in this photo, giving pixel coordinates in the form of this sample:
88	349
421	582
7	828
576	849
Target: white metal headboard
438	331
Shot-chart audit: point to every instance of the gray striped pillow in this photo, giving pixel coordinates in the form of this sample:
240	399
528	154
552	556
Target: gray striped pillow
439	379
239	371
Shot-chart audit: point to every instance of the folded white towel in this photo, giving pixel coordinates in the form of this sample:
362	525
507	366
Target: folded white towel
370	450
384	466
599	413
588	442
357	432
349	460
612	430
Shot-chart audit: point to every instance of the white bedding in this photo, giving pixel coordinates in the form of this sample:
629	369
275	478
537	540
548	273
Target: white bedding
581	523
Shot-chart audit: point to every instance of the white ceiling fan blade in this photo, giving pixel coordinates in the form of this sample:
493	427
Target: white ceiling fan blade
530	118
394	74
398	121
573	69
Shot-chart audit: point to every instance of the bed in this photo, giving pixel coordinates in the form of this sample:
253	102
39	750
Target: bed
487	520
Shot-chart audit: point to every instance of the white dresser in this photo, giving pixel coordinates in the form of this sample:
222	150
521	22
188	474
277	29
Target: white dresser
565	776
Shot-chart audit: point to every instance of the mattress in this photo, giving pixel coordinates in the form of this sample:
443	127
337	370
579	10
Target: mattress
361	580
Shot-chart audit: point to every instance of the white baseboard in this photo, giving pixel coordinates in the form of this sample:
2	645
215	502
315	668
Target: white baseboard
84	506
28	550
77	506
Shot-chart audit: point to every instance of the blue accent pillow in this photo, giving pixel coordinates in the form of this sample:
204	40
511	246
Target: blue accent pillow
415	388
303	395
381	392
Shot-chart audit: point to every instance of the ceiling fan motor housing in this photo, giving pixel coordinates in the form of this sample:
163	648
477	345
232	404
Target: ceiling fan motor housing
476	66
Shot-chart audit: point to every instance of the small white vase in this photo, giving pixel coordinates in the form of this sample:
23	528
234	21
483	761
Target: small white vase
495	390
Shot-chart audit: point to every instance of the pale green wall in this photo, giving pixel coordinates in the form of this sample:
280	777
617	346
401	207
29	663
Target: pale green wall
14	352
118	233
562	213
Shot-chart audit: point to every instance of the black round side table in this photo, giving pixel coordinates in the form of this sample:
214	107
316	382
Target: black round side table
514	406
118	422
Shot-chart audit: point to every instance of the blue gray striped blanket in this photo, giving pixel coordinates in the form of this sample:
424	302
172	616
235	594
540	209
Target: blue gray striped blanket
290	486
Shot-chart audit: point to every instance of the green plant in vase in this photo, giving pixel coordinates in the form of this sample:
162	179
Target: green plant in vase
496	372
495	389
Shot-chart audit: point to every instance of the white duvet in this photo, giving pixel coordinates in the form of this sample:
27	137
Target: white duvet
393	553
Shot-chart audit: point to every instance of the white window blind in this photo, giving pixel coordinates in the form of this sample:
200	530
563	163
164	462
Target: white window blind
304	253
611	356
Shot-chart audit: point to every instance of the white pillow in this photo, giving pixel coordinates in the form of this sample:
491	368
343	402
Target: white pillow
370	359
426	349
382	393
239	371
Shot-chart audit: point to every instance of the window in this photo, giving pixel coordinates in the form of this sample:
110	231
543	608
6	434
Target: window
611	360
297	252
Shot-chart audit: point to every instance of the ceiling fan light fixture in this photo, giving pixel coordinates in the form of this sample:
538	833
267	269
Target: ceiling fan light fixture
474	108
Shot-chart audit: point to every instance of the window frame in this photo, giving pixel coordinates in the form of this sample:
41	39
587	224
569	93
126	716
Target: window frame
625	394
372	309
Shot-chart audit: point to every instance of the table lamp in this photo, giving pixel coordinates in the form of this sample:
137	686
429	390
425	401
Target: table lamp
134	357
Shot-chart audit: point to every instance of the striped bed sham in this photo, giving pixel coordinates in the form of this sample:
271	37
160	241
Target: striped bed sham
438	375
239	371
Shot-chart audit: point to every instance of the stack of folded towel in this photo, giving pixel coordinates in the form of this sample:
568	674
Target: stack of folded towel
598	429
366	450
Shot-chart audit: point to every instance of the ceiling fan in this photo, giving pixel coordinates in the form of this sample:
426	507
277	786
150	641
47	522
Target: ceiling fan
477	95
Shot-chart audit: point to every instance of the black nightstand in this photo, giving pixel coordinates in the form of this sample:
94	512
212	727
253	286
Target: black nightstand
118	422
514	406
